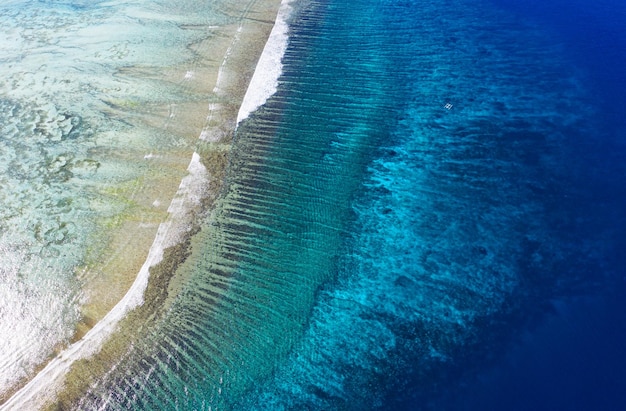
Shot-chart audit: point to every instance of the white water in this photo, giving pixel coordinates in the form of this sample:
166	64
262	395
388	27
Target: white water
264	82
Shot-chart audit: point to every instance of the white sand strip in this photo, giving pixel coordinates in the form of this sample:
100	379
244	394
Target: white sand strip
264	81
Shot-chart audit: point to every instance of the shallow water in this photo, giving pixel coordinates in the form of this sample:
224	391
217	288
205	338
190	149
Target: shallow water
101	107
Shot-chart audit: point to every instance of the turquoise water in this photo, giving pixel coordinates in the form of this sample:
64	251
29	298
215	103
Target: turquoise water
433	185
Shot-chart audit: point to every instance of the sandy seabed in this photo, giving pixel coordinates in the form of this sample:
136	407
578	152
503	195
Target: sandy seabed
203	119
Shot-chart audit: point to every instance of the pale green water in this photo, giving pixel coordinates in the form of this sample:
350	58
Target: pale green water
101	107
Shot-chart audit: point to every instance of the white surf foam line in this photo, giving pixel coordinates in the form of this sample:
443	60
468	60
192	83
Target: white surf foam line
264	82
48	381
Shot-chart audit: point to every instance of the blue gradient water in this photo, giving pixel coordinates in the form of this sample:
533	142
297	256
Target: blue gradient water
484	265
427	215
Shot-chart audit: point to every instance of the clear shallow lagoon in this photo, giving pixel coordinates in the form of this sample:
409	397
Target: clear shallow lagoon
102	106
434	189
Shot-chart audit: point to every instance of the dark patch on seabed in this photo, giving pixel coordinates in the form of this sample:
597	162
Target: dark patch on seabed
484	268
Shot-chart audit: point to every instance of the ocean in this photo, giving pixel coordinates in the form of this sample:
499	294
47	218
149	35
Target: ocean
420	207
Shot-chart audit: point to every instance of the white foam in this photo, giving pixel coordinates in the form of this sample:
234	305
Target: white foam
264	82
169	233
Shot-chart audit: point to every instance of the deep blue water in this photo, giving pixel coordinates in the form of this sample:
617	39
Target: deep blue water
593	35
573	357
486	268
428	215
573	360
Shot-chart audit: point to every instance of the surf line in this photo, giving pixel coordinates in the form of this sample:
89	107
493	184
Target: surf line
262	86
264	82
